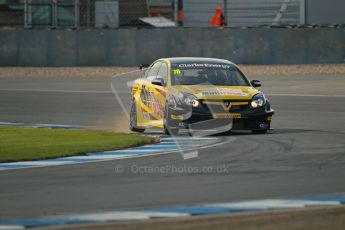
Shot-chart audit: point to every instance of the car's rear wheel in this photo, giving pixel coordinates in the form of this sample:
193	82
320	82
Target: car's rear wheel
133	119
168	130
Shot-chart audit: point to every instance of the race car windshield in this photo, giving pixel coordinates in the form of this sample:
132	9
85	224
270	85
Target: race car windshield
225	75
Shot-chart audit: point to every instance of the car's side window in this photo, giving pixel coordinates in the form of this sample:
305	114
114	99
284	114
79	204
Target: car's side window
152	72
163	72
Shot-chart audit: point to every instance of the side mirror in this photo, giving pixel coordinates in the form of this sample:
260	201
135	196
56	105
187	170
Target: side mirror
255	83
158	81
143	66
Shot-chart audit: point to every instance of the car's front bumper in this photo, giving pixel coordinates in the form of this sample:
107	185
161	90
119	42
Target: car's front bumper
244	118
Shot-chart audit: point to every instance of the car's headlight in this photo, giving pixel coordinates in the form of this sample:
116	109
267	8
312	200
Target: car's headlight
258	101
189	99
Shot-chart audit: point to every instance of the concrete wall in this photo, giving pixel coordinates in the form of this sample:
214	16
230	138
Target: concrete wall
130	47
325	12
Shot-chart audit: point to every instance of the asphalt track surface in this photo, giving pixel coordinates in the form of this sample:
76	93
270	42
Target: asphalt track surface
304	155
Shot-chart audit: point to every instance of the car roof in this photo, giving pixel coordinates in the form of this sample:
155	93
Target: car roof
179	60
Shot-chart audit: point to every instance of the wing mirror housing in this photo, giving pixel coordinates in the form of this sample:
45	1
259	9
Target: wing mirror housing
256	83
143	66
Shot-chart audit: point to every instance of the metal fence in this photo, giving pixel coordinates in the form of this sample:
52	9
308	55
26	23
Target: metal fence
239	13
265	12
64	13
11	13
115	13
59	13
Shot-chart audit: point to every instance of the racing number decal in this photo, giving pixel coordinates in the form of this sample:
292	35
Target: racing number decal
177	71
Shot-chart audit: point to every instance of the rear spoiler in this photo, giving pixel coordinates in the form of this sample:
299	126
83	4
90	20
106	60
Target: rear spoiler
142	66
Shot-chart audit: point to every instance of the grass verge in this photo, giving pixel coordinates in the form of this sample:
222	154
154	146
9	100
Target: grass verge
23	143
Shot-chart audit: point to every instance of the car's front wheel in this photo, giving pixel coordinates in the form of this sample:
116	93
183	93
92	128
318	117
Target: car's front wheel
133	119
168	130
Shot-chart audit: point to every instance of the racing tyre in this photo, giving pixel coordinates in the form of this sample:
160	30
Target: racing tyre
167	129
170	131
133	119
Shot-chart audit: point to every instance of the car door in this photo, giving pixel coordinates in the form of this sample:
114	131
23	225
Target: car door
158	90
147	100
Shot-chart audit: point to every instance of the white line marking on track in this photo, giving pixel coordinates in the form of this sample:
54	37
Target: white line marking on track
58	91
41	125
11	227
190	138
272	203
305	95
101	157
129	215
34	163
126	150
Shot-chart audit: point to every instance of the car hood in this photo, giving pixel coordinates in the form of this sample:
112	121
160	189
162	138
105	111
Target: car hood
218	92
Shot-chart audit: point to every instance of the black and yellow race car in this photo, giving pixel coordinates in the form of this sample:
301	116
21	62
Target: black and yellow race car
187	93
